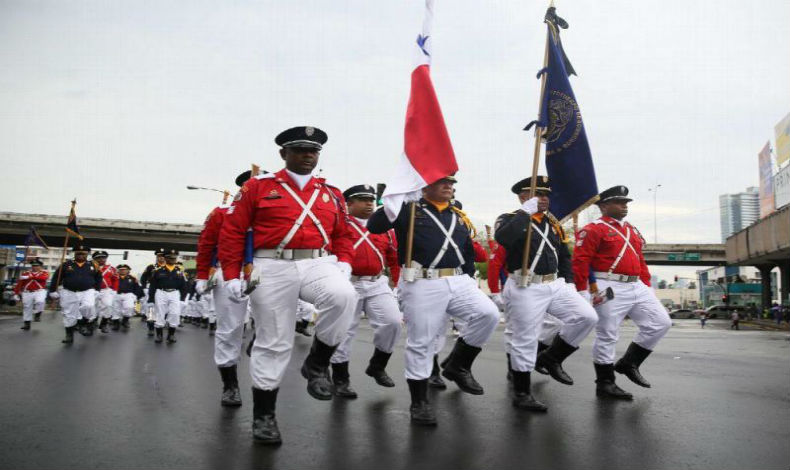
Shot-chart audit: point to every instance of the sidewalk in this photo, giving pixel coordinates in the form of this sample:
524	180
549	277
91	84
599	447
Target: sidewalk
766	324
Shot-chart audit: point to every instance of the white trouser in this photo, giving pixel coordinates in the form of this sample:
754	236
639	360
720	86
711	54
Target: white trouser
441	338
104	301
76	305
304	311
378	302
33	302
426	304
204	307
123	305
318	281
551	326
637	301
230	324
197	308
168	308
527	306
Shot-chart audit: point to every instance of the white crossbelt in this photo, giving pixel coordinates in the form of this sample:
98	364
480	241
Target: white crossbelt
306	212
365	238
545	241
627	245
448	240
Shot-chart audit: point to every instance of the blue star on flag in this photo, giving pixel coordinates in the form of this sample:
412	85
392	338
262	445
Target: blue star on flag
421	40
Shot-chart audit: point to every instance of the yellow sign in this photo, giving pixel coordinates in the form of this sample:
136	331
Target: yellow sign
783	140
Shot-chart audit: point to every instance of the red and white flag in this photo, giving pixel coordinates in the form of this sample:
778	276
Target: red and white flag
427	152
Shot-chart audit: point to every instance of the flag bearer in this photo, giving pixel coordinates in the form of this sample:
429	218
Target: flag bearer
76	283
439	282
612	249
31	289
302	251
548	288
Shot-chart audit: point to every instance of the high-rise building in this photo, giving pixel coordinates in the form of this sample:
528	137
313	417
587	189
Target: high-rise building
738	211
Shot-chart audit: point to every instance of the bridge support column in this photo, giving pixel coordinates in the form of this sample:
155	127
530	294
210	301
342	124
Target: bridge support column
765	275
784	273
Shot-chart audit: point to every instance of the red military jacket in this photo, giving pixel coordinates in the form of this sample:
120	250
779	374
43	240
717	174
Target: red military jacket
264	204
481	255
109	277
30	281
599	244
208	241
366	261
495	263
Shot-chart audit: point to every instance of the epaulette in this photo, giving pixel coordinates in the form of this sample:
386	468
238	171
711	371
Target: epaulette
556	224
263	175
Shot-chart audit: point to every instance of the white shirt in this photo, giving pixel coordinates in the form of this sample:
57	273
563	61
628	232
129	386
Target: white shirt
300	180
363	222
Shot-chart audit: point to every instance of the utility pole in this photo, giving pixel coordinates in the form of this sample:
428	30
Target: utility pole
654	189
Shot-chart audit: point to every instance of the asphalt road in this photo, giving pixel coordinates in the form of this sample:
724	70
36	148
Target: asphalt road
720	400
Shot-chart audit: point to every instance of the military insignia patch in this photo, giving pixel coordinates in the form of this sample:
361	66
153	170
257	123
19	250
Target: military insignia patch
565	122
309	131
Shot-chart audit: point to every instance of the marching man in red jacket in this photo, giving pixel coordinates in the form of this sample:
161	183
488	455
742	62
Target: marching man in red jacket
32	289
372	253
303	250
229	314
105	298
612	249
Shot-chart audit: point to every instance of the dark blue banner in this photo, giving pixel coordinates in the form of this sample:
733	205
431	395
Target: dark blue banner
568	159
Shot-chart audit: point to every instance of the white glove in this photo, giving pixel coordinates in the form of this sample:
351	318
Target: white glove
16	298
235	290
200	286
54	295
497	298
344	268
530	206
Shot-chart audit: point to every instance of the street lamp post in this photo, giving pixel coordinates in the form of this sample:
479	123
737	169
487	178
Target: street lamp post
654	189
225	194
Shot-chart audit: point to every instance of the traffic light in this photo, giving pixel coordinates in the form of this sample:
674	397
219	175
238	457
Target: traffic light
125	255
676	279
725	299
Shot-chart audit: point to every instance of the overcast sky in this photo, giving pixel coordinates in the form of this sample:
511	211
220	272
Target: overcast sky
121	104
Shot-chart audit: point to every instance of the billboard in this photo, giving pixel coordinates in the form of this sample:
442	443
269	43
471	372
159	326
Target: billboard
782	187
766	181
783	140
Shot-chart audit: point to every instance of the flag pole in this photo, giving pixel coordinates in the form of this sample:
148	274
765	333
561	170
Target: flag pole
410	235
525	274
65	246
575	214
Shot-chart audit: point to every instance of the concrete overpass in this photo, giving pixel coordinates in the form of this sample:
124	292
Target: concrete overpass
137	235
765	245
685	254
101	233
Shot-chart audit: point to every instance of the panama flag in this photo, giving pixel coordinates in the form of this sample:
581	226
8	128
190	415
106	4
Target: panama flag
427	152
